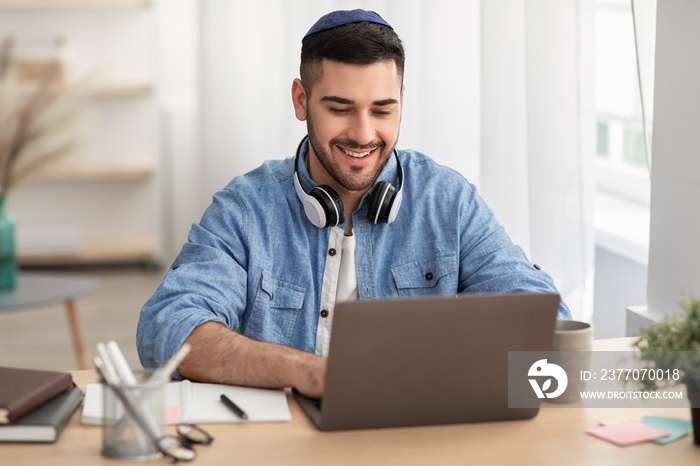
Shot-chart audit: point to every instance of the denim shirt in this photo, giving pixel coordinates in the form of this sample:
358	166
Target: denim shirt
255	264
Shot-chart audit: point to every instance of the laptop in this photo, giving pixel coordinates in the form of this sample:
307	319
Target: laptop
429	360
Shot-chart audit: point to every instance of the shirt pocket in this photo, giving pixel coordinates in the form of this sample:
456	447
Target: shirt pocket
275	311
436	275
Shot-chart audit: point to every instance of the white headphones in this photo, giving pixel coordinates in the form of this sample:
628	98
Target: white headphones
324	208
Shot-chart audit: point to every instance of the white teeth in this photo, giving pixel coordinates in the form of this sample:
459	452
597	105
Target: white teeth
357	154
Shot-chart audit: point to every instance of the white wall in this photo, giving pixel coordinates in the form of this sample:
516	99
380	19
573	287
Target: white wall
674	242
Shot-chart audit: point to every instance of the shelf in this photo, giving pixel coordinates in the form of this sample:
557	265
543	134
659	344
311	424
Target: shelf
97	253
85	170
106	89
71	4
124	89
104	57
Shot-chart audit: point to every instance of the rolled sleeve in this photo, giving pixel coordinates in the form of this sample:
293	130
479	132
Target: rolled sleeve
490	262
206	282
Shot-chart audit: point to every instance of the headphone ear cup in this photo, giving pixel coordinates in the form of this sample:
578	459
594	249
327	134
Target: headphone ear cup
380	202
331	203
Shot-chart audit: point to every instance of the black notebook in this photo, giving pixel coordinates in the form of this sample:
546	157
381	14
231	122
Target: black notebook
45	423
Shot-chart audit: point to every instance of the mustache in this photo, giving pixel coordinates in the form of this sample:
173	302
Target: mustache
355	146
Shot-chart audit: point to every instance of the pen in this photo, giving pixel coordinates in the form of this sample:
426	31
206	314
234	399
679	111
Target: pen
119	361
234	407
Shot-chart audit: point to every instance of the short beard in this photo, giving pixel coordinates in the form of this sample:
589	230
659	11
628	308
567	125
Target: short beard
346	180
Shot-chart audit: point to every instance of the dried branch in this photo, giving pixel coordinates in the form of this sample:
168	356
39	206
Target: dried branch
31	126
6	54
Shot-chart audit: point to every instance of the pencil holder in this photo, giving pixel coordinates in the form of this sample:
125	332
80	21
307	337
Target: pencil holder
133	419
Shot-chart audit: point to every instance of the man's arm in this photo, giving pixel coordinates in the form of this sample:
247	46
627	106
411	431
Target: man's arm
490	262
220	355
202	300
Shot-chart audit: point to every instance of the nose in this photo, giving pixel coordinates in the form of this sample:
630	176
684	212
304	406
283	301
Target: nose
362	130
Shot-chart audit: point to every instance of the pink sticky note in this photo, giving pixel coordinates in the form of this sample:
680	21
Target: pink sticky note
172	412
627	433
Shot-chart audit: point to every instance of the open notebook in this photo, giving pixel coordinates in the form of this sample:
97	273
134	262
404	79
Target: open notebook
196	402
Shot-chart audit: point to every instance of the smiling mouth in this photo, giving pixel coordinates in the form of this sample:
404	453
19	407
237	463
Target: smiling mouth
357	155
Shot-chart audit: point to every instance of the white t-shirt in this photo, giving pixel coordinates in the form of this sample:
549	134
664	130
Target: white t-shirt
339	284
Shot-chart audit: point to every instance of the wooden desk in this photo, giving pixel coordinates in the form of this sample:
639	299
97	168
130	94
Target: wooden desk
555	437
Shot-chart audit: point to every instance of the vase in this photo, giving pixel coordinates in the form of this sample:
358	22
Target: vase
694	397
8	262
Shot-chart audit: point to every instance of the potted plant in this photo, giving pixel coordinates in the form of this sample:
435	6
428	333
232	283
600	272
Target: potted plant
36	119
674	344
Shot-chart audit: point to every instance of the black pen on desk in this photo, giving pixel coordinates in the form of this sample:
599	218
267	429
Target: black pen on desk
233	407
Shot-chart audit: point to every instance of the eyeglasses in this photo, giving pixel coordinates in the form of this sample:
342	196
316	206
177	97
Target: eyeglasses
180	448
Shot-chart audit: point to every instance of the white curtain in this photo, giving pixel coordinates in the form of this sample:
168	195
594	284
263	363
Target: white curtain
497	89
538	134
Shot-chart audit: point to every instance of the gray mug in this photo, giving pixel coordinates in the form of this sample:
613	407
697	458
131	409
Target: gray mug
573	341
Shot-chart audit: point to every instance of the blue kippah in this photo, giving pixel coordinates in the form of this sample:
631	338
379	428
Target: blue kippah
340	17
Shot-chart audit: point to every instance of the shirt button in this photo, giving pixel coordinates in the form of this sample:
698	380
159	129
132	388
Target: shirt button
331	252
537	267
176	266
324	313
429	276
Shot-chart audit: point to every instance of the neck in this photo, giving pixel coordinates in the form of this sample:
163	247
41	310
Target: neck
350	202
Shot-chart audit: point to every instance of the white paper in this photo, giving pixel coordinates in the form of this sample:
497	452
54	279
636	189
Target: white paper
201	403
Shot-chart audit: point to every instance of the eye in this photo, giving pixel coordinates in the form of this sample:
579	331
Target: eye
382	112
339	111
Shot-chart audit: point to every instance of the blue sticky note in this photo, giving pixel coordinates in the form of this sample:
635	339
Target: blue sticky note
676	427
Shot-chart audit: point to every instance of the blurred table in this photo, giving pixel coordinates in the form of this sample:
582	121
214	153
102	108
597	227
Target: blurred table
555	437
40	289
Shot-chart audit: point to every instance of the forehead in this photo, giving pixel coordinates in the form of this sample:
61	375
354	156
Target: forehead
356	82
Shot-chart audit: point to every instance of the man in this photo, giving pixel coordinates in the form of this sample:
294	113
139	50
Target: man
253	290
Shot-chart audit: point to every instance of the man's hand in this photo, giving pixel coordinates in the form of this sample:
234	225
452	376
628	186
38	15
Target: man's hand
311	376
220	355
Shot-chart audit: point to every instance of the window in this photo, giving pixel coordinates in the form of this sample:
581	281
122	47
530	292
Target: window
603	139
624	59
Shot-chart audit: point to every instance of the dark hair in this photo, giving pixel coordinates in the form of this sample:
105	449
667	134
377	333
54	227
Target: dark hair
359	43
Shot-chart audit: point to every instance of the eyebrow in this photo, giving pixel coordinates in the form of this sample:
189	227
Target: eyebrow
344	101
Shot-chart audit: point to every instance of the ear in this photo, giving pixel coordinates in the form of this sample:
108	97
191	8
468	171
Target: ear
299	99
403	88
